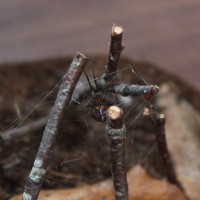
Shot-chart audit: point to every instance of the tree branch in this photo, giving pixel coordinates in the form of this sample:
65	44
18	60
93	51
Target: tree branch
38	172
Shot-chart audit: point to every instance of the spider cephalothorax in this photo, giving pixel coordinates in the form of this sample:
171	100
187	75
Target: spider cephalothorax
99	103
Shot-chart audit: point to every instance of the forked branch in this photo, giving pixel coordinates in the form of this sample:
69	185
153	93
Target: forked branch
158	121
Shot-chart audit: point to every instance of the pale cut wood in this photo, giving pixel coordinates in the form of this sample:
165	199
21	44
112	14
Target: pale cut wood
117	30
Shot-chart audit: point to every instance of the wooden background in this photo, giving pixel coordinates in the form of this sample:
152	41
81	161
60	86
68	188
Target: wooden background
166	33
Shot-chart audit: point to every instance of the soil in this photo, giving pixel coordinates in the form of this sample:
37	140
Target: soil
81	153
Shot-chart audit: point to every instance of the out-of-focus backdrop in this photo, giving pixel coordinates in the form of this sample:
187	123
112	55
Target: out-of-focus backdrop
166	33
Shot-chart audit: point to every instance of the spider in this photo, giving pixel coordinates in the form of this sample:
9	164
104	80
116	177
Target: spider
99	103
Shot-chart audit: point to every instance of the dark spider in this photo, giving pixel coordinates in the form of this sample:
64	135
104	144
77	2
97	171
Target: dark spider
99	103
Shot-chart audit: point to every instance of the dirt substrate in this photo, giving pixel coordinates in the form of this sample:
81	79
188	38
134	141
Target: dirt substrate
81	154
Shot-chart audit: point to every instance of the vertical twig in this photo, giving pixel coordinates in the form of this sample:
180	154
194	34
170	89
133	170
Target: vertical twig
38	172
116	132
116	48
158	121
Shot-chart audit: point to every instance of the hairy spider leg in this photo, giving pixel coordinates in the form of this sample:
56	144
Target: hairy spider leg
95	81
89	81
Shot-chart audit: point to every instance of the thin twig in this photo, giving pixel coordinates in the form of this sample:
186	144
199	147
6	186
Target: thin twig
116	48
18	132
158	121
39	169
109	81
134	90
119	88
109	77
116	132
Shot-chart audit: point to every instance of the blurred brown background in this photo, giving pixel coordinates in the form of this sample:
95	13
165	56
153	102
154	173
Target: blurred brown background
166	33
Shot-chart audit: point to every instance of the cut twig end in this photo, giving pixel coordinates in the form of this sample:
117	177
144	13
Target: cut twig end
79	58
156	89
80	55
115	123
161	119
114	113
154	116
162	116
117	30
147	113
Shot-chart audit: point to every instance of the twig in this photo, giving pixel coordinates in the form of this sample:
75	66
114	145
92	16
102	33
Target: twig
23	130
109	81
109	76
123	89
38	172
116	132
134	90
158	121
116	48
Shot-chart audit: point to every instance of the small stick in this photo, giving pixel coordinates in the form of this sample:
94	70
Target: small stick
116	48
23	130
158	121
116	133
109	76
109	80
123	89
134	90
39	169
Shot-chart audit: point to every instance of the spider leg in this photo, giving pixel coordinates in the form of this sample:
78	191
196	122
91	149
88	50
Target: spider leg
95	81
109	102
86	119
91	104
89	81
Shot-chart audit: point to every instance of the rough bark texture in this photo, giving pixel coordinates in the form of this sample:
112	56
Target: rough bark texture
158	121
39	169
135	90
116	48
116	133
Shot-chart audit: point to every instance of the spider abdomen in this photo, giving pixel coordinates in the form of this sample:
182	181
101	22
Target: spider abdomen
99	113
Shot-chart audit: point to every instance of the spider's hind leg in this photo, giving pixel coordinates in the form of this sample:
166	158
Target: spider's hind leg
95	81
88	80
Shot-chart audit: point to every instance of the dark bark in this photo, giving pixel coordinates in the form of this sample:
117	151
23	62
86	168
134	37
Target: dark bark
116	48
39	169
158	121
134	90
116	132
